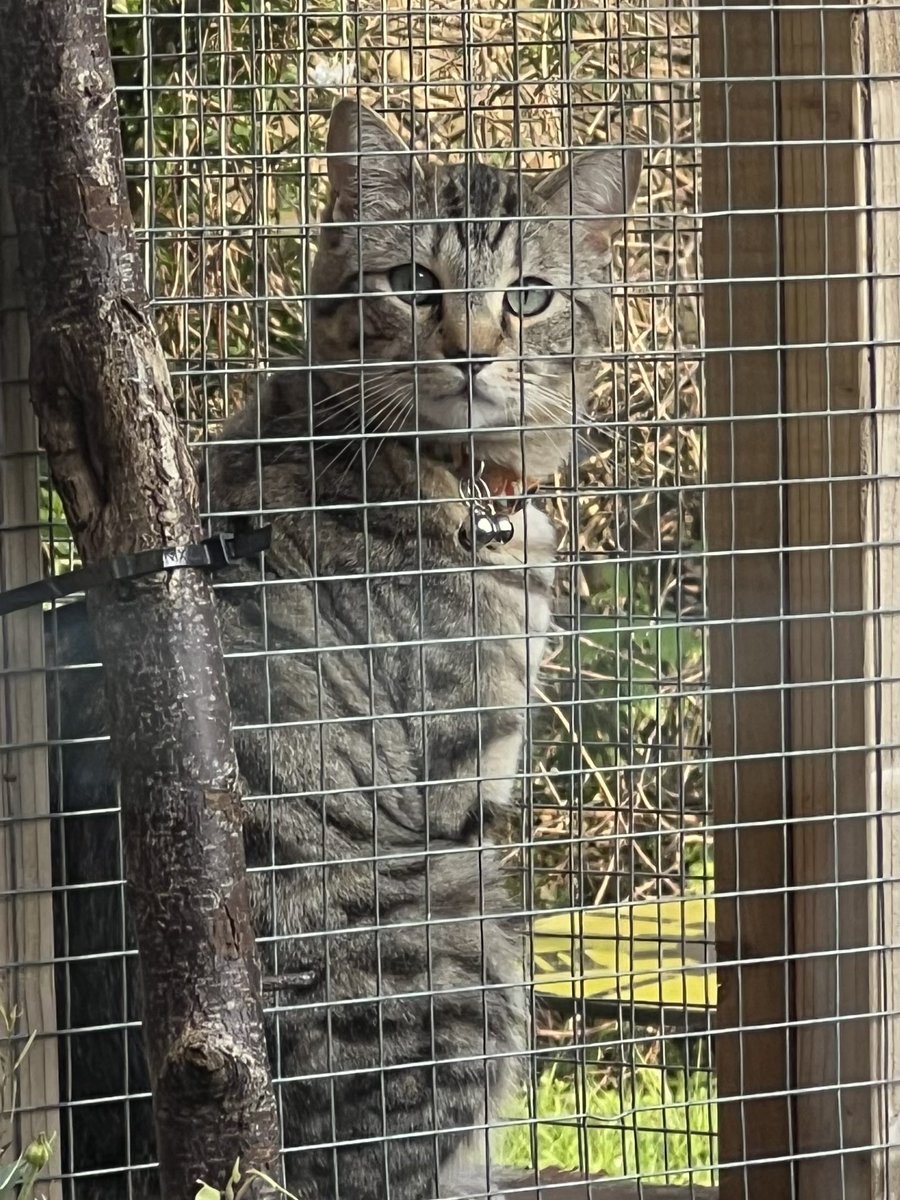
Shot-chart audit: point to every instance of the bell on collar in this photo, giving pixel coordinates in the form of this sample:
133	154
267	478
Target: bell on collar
485	524
486	527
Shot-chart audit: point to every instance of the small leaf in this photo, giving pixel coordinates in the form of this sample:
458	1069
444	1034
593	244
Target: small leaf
10	1176
234	1180
254	1174
25	1050
207	1193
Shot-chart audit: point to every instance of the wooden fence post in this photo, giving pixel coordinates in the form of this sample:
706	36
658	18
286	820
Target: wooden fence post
801	115
26	927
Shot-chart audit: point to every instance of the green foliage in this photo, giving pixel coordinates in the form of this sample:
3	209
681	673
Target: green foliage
59	550
631	660
622	751
658	1124
18	1180
19	1177
241	1186
653	1122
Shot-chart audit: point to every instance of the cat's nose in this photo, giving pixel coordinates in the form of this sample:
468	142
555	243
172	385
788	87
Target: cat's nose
476	362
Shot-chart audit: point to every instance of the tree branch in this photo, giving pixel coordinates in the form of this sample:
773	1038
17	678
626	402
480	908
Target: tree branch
101	391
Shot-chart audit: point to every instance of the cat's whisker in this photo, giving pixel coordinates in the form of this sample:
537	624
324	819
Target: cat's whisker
348	395
365	405
378	397
336	406
346	406
533	369
357	388
295	420
385	405
402	406
397	409
320	471
379	445
350	464
364	443
301	408
544	409
549	422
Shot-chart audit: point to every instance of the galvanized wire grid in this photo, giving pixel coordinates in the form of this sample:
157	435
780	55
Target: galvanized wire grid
225	113
224	109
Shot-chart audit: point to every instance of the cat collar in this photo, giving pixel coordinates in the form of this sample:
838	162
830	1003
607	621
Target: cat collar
490	512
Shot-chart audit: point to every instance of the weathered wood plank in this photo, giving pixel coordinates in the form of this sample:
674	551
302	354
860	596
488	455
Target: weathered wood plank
26	875
832	398
746	595
823	537
883	598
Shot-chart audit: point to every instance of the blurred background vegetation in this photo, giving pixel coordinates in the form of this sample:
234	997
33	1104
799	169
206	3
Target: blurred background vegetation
224	106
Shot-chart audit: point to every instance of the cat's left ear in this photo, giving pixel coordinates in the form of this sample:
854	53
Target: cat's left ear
371	171
598	185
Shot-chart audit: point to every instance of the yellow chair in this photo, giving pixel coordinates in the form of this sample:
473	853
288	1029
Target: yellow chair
654	957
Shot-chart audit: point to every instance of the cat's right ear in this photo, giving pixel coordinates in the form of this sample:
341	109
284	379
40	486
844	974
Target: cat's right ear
370	169
596	188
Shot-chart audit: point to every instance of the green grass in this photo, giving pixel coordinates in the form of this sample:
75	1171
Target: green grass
651	1123
656	1124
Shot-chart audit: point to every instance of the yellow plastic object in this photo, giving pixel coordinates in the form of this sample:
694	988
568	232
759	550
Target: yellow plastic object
654	954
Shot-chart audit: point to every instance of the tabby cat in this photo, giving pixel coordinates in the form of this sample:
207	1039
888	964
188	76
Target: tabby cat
381	664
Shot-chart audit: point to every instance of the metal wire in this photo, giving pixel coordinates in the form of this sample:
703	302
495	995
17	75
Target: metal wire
224	112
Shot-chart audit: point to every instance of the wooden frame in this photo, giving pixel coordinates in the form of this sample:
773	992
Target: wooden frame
26	927
804	375
801	175
883	515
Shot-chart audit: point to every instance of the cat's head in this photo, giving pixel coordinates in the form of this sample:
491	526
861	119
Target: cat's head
482	314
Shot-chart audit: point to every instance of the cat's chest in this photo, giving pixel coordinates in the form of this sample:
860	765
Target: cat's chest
393	586
515	580
502	591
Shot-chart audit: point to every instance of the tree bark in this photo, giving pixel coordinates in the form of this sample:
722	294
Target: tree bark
101	391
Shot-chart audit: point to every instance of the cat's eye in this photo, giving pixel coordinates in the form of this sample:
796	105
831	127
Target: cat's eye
418	283
530	299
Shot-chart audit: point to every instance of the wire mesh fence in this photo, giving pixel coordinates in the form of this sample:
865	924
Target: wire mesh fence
603	862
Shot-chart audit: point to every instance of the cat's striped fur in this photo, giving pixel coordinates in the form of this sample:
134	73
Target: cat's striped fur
380	675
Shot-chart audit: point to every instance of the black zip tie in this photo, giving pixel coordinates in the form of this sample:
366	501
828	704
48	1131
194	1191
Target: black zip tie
219	550
297	981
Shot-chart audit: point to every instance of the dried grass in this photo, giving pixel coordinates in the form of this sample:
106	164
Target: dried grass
225	177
